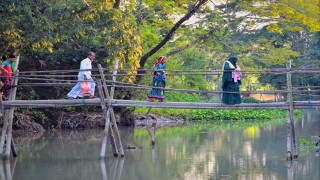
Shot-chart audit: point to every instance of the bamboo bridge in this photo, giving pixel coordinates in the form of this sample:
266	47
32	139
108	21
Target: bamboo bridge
106	89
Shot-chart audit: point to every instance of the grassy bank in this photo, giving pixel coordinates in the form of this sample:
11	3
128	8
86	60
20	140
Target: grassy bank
217	114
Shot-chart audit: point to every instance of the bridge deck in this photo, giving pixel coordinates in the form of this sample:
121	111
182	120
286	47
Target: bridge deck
136	103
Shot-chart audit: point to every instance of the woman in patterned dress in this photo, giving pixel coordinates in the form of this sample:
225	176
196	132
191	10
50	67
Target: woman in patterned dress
159	80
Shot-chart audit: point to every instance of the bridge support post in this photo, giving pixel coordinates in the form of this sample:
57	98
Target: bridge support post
115	135
106	114
6	135
291	152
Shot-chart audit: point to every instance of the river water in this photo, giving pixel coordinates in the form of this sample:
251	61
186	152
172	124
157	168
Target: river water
194	151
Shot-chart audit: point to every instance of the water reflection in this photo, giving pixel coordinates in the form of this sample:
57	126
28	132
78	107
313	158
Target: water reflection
116	169
6	171
190	152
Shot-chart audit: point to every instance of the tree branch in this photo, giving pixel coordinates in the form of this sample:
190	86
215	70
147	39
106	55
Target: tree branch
116	4
191	12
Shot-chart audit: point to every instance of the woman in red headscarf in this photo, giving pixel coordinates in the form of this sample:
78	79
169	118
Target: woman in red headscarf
159	80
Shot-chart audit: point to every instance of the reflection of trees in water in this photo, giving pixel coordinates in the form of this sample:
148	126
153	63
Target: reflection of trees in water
248	153
184	152
27	141
32	143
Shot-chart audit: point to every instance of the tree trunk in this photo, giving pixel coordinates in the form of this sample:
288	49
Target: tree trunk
145	57
116	4
139	16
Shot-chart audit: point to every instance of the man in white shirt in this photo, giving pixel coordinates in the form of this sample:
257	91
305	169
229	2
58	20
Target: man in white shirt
84	75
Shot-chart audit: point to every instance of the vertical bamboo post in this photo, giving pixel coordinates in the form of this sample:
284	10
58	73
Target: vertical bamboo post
4	128
107	121
1	106
153	134
113	142
10	144
113	119
111	132
7	113
117	134
114	77
289	112
113	126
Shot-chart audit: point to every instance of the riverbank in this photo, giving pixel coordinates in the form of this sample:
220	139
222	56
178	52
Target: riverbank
37	121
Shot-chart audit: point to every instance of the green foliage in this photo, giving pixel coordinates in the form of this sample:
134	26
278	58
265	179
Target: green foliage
294	15
304	143
304	146
181	97
149	37
39	116
214	115
70	108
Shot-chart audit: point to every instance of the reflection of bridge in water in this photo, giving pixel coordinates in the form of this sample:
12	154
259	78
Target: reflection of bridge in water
107	102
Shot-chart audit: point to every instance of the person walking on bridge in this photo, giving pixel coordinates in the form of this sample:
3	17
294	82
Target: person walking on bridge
84	75
6	75
158	80
231	81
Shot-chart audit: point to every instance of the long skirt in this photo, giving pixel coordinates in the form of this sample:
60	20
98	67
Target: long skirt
155	93
76	90
7	83
234	96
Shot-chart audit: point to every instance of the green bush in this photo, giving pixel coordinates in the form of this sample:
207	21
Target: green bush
236	114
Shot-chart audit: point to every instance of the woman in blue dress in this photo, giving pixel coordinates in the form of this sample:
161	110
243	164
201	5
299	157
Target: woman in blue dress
159	80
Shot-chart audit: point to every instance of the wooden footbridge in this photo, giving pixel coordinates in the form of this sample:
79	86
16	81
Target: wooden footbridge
106	89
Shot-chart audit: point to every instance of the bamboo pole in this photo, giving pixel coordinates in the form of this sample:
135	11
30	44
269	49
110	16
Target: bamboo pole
152	133
1	106
8	118
107	121
114	77
10	111
115	126
289	112
114	132
136	103
291	108
117	134
4	129
111	132
113	141
113	119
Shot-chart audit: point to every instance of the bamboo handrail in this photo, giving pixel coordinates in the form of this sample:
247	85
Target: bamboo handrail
275	70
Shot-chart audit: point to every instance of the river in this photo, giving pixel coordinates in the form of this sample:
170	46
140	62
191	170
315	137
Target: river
193	151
